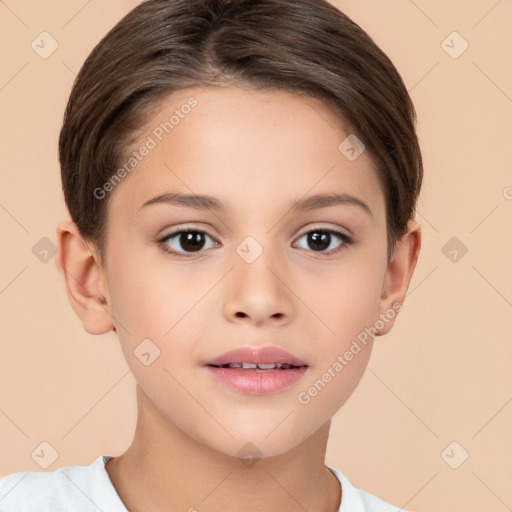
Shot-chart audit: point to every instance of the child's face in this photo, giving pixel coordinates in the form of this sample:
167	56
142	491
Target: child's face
256	152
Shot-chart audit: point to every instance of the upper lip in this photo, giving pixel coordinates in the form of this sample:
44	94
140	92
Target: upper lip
256	355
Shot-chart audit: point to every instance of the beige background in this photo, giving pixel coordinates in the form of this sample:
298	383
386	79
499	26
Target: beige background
442	375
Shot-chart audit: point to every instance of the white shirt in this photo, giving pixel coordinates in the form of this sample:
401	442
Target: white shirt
89	489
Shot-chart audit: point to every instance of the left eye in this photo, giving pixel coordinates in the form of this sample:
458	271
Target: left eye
322	239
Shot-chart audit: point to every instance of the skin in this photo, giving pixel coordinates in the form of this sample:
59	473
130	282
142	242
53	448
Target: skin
257	151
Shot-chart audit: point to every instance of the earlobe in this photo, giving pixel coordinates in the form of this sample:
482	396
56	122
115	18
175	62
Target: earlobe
81	270
399	274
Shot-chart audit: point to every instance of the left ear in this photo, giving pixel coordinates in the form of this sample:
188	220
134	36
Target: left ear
398	275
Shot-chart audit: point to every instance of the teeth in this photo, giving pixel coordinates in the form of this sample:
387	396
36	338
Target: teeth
265	366
260	366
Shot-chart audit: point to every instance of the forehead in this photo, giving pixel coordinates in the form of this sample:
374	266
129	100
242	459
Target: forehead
271	147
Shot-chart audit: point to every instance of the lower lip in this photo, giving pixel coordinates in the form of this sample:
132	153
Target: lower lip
253	382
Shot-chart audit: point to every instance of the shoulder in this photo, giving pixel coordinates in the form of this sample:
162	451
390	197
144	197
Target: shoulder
357	500
77	488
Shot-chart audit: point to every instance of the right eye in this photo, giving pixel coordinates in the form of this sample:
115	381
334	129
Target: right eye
190	240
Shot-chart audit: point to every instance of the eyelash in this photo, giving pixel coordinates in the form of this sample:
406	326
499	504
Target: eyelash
346	241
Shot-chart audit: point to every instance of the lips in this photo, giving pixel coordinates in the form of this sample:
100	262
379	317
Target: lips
257	371
266	358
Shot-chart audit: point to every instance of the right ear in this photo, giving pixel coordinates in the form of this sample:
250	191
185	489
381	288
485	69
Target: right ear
81	269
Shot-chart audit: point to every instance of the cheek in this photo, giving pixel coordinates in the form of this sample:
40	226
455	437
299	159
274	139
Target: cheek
340	359
142	287
333	384
161	304
344	301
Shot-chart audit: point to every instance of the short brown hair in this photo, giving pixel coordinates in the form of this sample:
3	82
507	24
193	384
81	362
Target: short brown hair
306	47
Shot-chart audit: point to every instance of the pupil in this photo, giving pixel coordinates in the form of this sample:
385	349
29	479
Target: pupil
319	240
191	240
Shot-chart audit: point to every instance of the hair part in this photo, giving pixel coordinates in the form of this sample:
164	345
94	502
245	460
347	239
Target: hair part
305	47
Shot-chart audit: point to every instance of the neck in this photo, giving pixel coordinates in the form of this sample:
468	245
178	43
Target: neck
165	469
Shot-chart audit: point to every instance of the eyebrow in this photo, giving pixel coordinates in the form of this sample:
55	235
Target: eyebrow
205	202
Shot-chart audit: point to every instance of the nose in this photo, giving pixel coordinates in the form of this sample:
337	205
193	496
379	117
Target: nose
259	292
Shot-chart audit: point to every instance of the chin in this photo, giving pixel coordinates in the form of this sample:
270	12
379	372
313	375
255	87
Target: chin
250	446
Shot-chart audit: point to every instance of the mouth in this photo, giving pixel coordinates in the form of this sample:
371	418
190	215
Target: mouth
257	371
252	358
258	367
